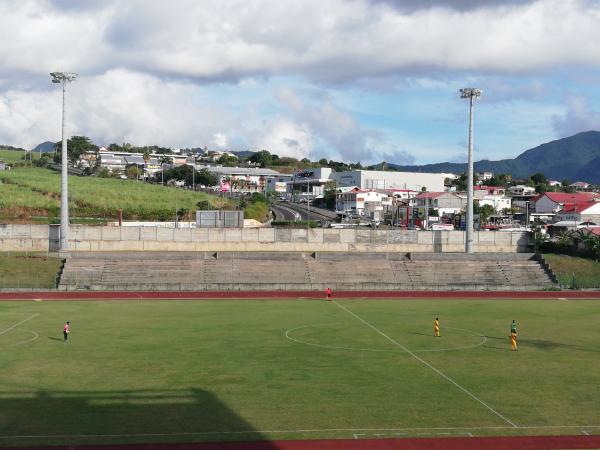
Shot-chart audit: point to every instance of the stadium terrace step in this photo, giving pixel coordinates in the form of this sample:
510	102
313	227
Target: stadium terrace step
302	271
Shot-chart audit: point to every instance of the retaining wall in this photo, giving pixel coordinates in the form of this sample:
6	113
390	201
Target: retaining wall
91	238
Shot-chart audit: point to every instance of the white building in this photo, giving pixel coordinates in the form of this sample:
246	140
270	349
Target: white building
483	176
311	182
244	179
363	202
278	183
520	190
374	179
587	212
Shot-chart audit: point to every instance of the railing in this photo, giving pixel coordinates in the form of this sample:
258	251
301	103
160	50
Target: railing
299	287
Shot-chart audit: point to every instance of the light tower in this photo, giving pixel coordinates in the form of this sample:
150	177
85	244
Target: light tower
63	78
470	93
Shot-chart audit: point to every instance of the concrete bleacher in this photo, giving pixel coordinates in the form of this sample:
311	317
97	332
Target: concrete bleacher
302	271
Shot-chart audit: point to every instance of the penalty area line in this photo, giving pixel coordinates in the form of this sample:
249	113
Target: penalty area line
425	363
17	324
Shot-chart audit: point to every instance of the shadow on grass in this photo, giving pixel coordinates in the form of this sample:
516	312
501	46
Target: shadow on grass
120	416
55	338
544	344
421	334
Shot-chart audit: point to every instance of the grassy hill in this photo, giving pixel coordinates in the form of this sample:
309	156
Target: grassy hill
11	155
33	195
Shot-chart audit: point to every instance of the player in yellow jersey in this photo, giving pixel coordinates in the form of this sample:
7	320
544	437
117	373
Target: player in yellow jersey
513	335
436	327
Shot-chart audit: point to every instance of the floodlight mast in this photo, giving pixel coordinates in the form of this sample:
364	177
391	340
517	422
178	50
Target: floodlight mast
470	93
63	78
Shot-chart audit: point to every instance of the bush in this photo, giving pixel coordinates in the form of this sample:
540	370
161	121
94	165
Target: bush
257	211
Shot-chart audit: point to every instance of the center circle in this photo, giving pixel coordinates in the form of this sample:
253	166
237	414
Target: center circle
315	335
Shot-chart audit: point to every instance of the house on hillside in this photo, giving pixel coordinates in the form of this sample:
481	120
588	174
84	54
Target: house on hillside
580	185
520	190
582	212
445	203
552	202
3	165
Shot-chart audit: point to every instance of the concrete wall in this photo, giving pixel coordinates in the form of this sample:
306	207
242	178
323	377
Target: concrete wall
90	238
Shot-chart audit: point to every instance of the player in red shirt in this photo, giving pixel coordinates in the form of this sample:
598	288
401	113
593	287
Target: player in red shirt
66	331
328	293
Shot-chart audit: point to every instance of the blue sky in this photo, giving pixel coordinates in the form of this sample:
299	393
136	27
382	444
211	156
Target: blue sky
351	80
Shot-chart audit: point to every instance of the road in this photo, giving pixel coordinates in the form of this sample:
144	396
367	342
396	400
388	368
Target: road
292	211
284	213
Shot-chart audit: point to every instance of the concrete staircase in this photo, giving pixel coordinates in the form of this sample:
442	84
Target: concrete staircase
303	271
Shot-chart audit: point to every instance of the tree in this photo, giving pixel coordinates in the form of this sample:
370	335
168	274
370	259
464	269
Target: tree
132	171
227	160
484	211
323	161
262	158
76	146
206	178
539	178
146	156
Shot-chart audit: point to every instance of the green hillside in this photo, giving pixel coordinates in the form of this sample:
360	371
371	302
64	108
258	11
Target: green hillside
32	195
576	158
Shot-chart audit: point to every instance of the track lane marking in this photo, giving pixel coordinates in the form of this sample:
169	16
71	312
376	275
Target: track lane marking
324	430
425	363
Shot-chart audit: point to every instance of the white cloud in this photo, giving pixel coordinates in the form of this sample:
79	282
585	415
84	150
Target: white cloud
118	106
219	140
578	117
333	40
286	138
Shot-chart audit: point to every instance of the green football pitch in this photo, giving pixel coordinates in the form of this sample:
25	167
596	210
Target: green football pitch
185	371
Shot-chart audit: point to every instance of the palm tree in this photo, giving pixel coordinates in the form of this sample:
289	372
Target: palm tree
146	156
164	160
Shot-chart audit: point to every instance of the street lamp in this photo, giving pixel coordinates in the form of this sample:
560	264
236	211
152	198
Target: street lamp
470	93
64	78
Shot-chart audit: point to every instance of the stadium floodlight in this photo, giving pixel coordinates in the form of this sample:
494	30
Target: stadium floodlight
471	94
64	78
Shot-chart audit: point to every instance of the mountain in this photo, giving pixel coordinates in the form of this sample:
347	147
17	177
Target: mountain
576	158
44	147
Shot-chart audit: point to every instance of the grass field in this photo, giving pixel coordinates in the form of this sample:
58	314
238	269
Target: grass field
18	270
574	271
33	195
177	371
14	156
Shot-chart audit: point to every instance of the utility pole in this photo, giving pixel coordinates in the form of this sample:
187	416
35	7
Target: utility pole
63	78
470	93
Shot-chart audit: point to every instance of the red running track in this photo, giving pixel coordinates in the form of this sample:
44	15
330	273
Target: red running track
198	295
457	443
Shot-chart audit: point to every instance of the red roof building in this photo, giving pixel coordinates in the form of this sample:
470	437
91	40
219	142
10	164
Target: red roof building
552	202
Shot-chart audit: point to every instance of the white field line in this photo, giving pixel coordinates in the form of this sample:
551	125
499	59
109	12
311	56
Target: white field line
17	324
324	430
334	347
425	363
35	336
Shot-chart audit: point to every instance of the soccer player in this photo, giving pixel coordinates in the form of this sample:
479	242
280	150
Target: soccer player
513	341
328	293
513	335
436	327
66	331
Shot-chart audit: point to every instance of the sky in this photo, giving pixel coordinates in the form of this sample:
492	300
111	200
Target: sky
349	80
